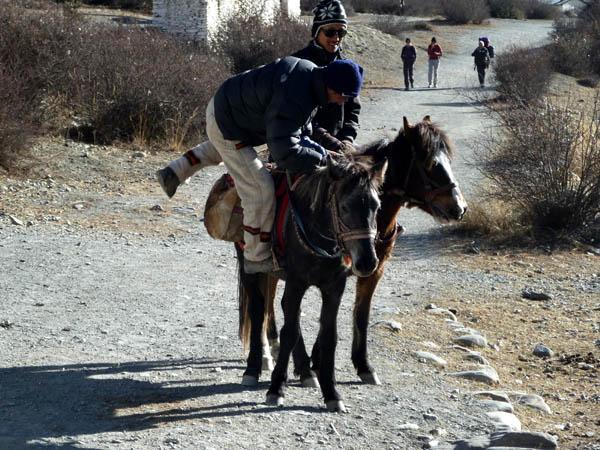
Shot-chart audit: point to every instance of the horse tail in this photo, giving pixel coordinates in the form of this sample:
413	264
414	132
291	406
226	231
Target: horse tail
268	288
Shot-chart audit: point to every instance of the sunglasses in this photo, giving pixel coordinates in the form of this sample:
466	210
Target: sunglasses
331	33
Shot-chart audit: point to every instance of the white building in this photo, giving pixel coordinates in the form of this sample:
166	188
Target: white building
198	19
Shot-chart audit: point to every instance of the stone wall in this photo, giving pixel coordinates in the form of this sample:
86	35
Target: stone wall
198	19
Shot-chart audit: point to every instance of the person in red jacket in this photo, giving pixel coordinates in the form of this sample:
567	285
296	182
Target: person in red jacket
435	53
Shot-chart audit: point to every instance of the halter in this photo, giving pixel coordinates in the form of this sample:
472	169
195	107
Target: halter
432	189
342	232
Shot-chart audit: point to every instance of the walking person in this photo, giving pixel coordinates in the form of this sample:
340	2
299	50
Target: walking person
482	62
334	127
409	56
434	51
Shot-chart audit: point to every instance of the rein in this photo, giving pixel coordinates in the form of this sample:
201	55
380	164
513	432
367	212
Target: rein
342	232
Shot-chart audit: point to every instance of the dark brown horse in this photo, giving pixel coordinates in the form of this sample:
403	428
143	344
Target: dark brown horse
419	175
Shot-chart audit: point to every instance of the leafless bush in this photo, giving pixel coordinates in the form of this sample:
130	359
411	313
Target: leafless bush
522	74
246	40
506	9
545	158
422	8
377	6
140	85
465	11
391	25
535	9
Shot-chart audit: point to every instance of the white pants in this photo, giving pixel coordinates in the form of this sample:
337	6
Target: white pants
433	71
253	182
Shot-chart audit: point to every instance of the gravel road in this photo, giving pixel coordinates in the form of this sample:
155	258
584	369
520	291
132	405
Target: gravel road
128	340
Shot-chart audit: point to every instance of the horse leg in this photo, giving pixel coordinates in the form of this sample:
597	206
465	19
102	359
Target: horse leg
292	298
255	310
327	344
302	369
365	289
271	327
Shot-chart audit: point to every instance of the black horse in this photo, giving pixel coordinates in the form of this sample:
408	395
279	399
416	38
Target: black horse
419	174
330	234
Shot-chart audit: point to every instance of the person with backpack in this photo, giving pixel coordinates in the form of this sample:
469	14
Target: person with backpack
482	62
409	56
434	51
488	46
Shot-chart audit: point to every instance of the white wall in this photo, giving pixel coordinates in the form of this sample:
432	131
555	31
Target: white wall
198	19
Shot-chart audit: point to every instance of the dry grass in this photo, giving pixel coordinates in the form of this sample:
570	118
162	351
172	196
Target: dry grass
569	324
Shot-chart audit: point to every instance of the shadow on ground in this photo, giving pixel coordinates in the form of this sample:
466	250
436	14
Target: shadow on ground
70	400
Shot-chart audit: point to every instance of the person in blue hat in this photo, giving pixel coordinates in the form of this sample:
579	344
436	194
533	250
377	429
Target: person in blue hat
273	104
334	126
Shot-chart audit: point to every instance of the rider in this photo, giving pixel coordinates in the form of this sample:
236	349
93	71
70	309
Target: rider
334	127
272	104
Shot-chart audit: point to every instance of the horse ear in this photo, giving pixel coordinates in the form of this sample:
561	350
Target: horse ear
379	170
334	169
407	124
427	119
408	128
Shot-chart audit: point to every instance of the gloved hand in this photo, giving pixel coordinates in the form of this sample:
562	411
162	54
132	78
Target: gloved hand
321	136
305	141
347	147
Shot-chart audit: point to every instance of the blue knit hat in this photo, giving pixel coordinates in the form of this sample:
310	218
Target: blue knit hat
344	77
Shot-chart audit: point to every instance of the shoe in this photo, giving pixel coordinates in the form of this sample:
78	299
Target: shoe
168	180
482	86
264	266
429	86
435	85
406	88
412	85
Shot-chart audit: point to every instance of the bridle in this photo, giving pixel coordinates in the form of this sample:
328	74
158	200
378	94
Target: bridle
342	232
432	188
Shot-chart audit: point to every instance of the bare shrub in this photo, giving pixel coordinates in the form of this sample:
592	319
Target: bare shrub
397	26
422	8
506	9
246	40
522	74
465	11
545	158
377	6
134	5
535	9
570	52
140	85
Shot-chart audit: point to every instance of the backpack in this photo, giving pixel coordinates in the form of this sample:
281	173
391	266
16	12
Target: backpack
486	44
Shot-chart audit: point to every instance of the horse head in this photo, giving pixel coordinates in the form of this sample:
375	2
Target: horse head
354	202
420	172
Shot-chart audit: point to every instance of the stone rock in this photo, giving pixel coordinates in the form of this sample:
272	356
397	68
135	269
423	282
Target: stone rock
495	405
531	295
504	421
408	426
541	350
430	357
505	440
394	326
485	374
477	357
532	401
471	340
494	395
442	312
15	221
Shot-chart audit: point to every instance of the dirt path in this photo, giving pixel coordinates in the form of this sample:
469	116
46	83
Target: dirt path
119	321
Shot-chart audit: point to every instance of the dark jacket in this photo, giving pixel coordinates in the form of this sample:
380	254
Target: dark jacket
274	104
481	56
340	122
409	55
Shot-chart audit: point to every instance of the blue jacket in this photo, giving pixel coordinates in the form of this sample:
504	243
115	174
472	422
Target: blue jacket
274	104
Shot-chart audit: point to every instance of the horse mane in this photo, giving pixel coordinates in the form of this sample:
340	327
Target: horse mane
430	136
355	166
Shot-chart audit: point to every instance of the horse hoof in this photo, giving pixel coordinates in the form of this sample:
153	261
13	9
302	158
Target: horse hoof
274	400
249	380
369	378
310	382
267	364
335	406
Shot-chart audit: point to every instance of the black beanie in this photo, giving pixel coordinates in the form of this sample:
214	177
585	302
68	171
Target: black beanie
326	12
344	77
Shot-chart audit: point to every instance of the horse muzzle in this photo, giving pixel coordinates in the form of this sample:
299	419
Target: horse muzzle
364	258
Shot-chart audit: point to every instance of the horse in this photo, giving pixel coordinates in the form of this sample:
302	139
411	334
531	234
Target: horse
419	174
330	233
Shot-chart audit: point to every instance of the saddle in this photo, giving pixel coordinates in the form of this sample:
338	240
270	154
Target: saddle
223	212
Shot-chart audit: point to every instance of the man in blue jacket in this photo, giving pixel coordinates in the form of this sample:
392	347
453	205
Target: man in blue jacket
272	104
